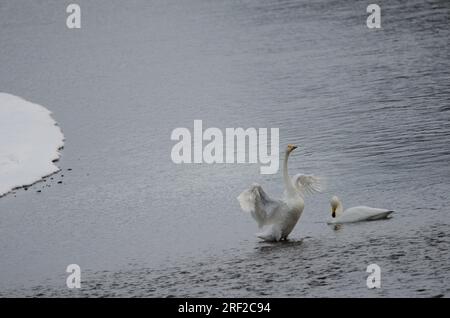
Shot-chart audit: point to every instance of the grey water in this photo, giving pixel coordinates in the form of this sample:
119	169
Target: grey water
369	108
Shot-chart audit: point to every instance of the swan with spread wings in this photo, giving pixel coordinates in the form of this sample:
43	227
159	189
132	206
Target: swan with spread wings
279	217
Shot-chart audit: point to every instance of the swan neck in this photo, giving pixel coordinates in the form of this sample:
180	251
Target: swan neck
339	209
290	189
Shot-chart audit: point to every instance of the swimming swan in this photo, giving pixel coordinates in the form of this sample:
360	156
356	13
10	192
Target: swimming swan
355	214
279	216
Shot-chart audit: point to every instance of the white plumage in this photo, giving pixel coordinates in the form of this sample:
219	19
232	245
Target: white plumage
279	217
355	214
307	184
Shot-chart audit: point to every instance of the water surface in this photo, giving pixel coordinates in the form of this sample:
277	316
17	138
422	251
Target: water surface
369	108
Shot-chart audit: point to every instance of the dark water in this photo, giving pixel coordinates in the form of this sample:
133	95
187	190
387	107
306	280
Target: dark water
370	109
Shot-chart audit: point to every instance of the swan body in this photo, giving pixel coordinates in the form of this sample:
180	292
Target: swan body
355	214
278	217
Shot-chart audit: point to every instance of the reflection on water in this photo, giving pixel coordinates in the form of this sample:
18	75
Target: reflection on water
368	107
337	227
268	247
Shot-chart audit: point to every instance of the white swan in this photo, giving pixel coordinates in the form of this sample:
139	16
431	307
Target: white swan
355	214
279	216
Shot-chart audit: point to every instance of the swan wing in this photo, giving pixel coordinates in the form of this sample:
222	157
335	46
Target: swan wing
307	184
256	202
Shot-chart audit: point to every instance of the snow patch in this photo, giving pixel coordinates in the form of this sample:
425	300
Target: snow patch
30	141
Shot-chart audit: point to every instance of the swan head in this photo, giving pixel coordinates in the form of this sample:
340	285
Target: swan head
335	203
291	147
